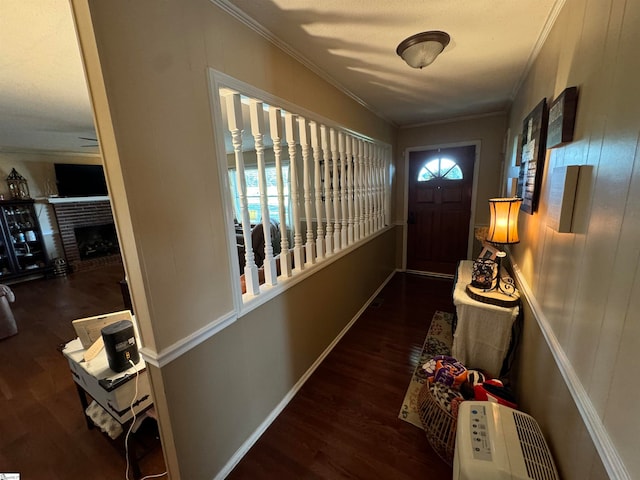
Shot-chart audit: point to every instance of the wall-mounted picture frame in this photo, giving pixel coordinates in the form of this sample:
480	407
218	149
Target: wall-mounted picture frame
562	118
532	156
517	151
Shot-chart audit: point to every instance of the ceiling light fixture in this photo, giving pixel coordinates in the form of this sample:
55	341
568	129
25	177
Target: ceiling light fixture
421	49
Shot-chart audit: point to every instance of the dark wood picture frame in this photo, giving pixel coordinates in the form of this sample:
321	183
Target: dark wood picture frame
532	156
562	118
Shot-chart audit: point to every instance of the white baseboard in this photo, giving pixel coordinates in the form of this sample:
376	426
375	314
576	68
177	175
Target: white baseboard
253	438
601	440
446	276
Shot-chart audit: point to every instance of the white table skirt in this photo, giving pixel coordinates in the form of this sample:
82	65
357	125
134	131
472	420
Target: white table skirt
483	332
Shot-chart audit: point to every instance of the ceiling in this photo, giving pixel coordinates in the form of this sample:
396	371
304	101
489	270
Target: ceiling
45	103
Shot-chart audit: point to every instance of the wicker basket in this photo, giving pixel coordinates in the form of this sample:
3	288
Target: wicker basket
439	425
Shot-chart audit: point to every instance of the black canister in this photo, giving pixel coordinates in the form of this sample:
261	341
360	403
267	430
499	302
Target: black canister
120	344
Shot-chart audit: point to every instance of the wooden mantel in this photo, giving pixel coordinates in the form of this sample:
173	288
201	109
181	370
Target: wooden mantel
56	200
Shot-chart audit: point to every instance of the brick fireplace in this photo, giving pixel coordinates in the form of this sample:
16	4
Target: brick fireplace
87	220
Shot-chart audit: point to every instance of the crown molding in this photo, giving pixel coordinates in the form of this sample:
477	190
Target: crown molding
242	17
455	119
544	33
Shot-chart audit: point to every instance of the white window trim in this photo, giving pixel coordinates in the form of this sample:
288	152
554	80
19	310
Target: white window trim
243	304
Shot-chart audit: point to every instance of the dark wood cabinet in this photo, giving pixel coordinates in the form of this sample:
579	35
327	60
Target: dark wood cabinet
22	250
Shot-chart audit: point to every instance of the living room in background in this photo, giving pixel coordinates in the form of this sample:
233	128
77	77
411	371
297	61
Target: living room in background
315	187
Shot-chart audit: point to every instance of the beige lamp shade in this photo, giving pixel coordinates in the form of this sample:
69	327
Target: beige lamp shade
504	220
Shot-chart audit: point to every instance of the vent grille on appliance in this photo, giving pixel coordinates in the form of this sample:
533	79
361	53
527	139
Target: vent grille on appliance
534	449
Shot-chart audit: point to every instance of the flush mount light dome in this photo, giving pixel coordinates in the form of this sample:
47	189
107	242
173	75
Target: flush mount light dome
421	49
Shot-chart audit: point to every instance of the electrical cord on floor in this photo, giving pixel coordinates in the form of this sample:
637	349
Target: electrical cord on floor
133	422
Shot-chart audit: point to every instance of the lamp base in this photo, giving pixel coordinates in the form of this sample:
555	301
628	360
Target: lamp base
506	286
493	297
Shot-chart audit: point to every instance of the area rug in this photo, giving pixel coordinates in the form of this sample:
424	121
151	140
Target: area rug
438	342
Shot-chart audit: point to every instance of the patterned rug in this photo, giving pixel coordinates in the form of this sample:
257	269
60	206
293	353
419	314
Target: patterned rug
438	342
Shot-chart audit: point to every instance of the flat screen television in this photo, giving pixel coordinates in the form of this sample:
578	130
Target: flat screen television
75	180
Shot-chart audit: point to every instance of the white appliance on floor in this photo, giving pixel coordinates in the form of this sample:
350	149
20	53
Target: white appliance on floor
495	442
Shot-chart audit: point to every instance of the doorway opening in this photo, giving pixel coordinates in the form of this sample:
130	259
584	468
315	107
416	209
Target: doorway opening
440	190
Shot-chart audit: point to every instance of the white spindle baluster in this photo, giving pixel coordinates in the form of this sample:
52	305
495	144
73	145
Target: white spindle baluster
376	171
372	187
258	129
327	189
335	182
317	182
387	187
366	188
356	192
275	125
236	125
359	192
354	189
303	129
374	211
343	189
348	146
291	123
381	187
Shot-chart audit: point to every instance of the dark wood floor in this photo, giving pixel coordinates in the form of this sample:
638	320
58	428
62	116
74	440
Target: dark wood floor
43	434
342	424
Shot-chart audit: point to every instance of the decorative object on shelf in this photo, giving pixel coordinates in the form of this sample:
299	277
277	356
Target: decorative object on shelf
562	196
488	252
59	267
421	49
18	187
503	230
562	118
534	133
482	273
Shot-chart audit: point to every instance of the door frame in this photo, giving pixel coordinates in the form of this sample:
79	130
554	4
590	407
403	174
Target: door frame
476	168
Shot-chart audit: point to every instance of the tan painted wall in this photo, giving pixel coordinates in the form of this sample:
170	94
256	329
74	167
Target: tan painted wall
587	282
147	66
489	130
250	366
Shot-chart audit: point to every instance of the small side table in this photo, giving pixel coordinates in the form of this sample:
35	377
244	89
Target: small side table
483	332
113	391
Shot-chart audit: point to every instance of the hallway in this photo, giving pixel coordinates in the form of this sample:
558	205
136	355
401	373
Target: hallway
342	423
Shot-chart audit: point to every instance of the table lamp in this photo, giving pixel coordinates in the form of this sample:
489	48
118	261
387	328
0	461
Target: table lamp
503	230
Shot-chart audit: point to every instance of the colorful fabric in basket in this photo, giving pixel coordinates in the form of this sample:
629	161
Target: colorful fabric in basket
446	370
444	395
475	377
495	391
